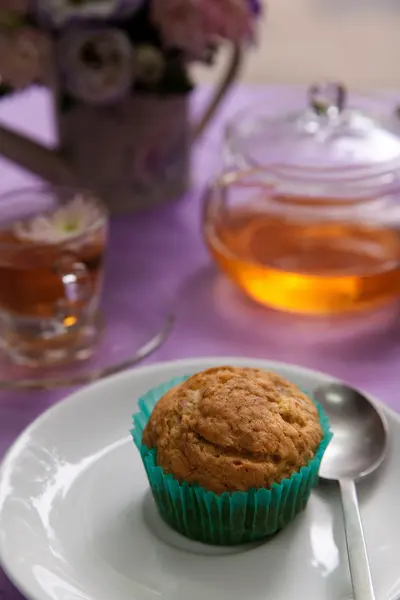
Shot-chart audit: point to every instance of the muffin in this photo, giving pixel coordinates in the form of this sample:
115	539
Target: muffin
231	454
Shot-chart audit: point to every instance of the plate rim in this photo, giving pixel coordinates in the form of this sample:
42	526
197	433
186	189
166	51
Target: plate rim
184	363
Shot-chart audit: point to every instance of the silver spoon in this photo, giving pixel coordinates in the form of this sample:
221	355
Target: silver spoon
358	447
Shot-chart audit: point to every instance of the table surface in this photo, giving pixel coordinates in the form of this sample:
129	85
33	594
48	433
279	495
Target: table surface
162	254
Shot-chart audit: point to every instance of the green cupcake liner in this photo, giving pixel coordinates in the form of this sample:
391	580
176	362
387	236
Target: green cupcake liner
231	518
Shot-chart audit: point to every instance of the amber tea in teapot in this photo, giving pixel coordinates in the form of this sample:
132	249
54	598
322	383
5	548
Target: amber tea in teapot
305	253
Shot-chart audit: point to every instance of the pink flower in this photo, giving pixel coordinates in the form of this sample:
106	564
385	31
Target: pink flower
17	6
25	57
228	19
179	24
193	24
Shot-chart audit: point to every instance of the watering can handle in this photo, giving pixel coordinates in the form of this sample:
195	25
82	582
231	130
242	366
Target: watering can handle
228	79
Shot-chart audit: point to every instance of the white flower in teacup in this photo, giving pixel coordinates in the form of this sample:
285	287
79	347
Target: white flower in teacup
98	64
72	220
59	12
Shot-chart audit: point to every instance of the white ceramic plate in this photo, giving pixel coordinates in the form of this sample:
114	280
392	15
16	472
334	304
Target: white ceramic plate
77	521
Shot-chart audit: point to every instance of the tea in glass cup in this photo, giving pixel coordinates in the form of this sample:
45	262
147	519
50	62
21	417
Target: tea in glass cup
52	245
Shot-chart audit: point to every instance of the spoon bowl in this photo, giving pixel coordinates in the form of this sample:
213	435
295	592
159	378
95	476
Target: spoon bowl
358	448
359	444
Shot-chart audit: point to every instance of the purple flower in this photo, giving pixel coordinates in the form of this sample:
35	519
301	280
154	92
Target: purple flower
256	7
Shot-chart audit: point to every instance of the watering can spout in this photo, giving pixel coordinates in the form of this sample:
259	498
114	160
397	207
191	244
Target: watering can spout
44	162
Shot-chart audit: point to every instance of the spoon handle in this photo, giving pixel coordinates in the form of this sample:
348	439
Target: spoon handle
357	550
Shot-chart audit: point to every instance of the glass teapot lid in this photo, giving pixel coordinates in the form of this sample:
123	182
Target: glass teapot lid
329	133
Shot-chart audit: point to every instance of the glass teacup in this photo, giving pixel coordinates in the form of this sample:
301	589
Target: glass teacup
52	244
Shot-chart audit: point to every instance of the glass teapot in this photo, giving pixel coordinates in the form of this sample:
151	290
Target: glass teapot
307	218
331	132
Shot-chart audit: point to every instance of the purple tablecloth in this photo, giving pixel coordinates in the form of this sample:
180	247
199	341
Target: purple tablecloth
165	256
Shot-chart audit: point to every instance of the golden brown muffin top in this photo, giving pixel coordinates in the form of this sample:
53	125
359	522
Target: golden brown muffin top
231	429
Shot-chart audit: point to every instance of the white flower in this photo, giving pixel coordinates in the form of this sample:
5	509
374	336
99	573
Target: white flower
98	64
67	222
60	11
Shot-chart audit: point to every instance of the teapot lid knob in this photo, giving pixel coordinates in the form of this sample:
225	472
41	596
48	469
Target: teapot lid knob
328	98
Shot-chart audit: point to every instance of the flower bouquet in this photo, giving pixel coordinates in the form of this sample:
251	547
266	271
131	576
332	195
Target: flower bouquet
100	50
118	73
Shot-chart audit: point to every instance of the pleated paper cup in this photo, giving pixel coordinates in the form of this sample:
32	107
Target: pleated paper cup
231	518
